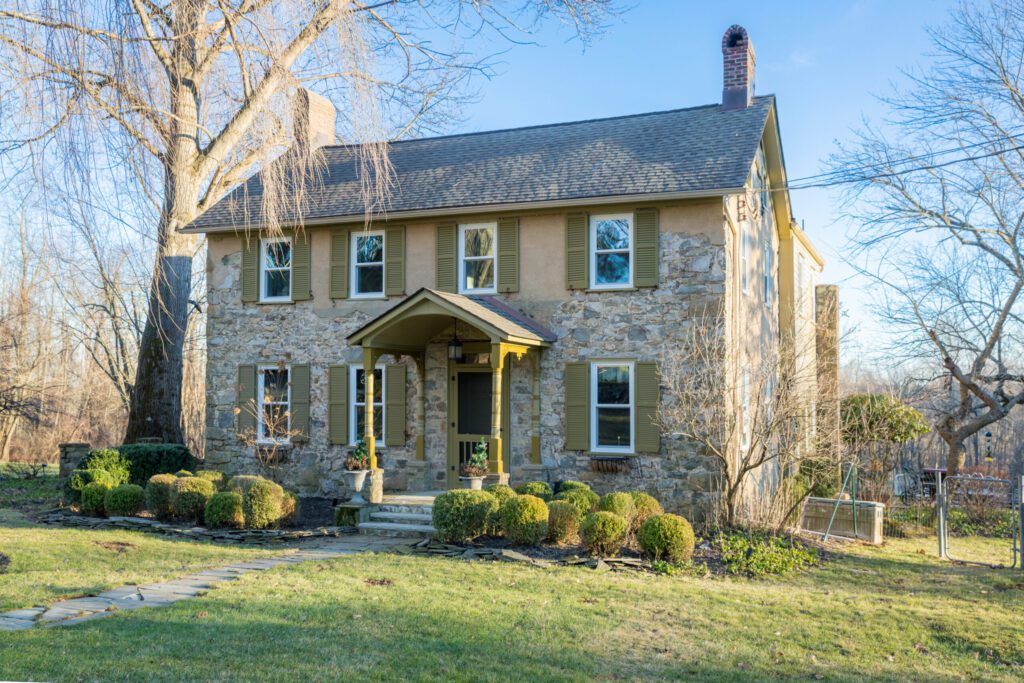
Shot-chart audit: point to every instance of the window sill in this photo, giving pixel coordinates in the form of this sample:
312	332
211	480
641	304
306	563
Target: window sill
623	288
366	297
610	454
271	302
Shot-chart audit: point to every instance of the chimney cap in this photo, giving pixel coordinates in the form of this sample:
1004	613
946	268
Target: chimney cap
737	68
735	37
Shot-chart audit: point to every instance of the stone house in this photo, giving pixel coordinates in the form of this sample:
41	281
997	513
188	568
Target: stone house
522	288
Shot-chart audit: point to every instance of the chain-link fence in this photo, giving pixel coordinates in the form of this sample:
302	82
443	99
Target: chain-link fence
973	511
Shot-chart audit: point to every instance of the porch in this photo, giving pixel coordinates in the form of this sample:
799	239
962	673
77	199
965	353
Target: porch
482	334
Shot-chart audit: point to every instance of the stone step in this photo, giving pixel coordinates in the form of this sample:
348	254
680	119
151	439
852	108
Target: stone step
404	509
396	529
406	517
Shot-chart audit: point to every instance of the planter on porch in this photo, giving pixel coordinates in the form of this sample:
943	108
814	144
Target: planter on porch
474	483
355	480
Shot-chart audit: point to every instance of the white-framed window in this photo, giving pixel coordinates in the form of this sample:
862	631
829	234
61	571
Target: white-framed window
478	263
357	404
761	183
611	251
769	275
276	269
367	264
612	423
744	409
745	259
273	388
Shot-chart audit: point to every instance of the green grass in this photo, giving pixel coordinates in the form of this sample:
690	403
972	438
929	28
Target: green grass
889	613
49	563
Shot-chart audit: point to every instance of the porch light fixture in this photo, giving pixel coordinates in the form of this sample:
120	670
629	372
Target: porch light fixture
455	346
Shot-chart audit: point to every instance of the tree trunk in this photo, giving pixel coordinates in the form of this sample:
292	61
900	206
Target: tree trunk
955	455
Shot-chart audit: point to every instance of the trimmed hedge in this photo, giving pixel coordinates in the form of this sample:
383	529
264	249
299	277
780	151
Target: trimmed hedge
289	508
666	537
501	491
619	503
94	495
524	519
461	515
563	521
147	459
604	533
217	478
585	500
241	483
647	506
183	473
160	495
79	479
263	504
189	498
538	489
224	510
125	500
109	460
570	485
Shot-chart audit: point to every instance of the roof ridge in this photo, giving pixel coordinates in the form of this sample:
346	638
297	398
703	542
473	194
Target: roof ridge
620	117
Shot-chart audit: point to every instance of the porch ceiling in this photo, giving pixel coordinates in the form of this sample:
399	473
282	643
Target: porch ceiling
413	323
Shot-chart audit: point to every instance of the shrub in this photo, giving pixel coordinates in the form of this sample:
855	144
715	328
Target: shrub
538	489
563	486
189	498
563	521
603	533
462	514
757	554
224	510
524	519
183	473
263	504
619	503
79	479
501	491
160	495
124	500
585	500
666	537
646	507
93	497
147	459
289	508
109	460
241	483
218	479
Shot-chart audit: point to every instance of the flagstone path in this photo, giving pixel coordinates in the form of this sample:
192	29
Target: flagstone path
131	597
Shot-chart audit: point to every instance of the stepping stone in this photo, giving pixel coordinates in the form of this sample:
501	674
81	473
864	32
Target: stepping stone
15	624
120	593
30	613
85	604
79	620
59	614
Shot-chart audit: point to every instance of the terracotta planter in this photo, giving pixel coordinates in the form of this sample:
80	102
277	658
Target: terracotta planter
355	480
474	483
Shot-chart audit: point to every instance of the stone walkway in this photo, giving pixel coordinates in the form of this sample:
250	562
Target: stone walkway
126	598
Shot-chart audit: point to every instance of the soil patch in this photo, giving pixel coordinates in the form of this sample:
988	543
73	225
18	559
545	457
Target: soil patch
116	546
5	562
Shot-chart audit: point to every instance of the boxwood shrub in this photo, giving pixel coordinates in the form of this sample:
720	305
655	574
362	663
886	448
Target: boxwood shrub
646	506
93	497
666	537
524	519
219	479
585	500
501	491
619	503
570	485
289	508
461	515
160	495
539	489
147	459
604	533
189	498
125	500
241	483
109	460
183	473
263	504
79	479
224	510
563	521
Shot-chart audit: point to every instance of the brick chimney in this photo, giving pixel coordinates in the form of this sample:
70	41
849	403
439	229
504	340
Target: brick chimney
314	119
737	68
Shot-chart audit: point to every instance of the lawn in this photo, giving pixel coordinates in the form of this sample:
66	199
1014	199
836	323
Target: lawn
891	613
47	563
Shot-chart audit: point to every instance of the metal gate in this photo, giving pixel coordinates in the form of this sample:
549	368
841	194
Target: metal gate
973	506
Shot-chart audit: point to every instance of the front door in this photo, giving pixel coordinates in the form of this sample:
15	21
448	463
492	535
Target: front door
469	415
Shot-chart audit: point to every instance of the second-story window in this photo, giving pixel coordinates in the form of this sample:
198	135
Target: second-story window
276	269
611	252
744	259
368	264
477	262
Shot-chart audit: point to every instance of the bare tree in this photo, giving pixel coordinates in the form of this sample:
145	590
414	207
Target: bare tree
188	97
939	196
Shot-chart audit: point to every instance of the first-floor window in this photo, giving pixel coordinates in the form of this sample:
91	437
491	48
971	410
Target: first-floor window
611	390
358	418
274	394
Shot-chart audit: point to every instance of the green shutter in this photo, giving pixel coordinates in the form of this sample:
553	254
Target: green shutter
247	401
337	404
577	254
394	405
339	264
394	260
645	248
250	269
302	289
577	406
447	257
508	254
648	431
299	423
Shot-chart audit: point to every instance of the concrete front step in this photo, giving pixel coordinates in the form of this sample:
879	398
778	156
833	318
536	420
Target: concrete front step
402	517
396	529
395	508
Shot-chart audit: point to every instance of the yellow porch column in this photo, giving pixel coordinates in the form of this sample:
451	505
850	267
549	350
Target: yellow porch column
370	358
497	365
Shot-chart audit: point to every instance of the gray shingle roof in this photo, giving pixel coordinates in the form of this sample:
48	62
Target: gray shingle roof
680	151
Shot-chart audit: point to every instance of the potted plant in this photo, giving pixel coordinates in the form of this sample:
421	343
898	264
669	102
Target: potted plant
474	470
357	464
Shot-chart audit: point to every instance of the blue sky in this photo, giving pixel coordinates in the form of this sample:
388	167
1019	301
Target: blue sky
825	62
